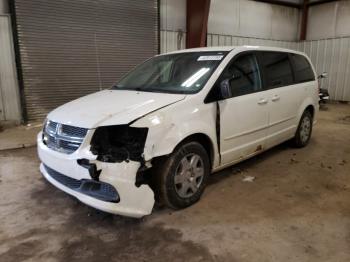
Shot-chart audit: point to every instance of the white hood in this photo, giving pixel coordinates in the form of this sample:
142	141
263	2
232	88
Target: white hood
111	107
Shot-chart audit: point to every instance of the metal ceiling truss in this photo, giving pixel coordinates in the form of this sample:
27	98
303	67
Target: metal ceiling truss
295	4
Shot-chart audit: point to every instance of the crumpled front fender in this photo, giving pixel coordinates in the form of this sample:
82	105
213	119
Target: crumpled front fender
168	127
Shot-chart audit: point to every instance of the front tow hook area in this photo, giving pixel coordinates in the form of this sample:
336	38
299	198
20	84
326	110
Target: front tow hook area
92	168
99	190
134	201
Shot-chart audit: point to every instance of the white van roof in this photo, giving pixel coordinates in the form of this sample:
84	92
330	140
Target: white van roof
230	48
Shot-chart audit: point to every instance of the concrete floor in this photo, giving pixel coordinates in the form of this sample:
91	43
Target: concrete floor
297	209
19	136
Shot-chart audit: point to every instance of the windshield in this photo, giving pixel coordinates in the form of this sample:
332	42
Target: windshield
181	73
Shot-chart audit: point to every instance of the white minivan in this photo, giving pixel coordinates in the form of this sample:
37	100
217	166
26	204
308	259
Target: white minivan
160	131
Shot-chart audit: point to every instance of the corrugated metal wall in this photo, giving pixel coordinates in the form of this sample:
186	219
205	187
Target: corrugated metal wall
72	48
9	94
172	41
332	56
327	55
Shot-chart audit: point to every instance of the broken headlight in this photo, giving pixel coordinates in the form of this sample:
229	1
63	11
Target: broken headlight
119	143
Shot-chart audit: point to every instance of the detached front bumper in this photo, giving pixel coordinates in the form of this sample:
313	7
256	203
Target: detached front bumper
130	200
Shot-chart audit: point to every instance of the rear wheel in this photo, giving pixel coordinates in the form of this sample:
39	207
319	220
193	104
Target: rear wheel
182	177
303	133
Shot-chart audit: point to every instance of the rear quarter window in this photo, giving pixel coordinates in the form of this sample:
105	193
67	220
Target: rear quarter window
302	69
277	69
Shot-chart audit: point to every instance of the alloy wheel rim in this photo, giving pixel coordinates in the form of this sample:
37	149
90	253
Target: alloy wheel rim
305	129
189	175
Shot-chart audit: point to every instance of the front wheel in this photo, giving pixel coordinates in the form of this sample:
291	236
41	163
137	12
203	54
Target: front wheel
182	177
303	133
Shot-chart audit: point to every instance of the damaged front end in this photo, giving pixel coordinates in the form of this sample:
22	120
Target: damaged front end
110	158
115	144
119	155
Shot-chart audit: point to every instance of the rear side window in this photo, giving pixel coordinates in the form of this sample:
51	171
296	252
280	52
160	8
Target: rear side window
302	69
277	69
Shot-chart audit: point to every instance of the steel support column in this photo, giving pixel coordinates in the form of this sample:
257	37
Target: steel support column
197	22
304	16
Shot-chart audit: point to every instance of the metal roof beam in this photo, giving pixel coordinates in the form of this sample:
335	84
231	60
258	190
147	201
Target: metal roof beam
320	2
283	3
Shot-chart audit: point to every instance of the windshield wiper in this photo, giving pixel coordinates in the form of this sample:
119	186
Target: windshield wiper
127	88
153	90
141	89
115	86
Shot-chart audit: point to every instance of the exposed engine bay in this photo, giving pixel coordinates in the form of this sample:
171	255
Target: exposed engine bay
115	144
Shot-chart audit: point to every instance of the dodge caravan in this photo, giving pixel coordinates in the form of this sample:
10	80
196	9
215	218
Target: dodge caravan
160	131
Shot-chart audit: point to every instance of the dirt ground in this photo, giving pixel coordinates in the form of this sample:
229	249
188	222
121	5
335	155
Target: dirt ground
296	209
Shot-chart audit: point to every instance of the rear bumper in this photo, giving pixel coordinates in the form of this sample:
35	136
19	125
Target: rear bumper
132	201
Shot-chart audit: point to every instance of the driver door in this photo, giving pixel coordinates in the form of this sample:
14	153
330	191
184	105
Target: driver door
244	115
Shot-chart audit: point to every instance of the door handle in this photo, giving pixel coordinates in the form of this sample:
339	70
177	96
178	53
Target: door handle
275	98
262	101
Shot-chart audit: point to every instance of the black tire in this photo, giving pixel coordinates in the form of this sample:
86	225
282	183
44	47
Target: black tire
165	169
300	139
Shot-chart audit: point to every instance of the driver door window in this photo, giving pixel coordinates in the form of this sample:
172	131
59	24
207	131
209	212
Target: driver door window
242	76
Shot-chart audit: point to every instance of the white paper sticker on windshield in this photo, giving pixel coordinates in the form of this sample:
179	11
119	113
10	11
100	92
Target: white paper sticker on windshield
210	57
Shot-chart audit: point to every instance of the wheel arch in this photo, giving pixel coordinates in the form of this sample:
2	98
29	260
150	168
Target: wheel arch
309	105
311	109
202	139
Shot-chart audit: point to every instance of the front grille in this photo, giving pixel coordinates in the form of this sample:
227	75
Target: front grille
99	190
73	131
51	126
70	146
63	138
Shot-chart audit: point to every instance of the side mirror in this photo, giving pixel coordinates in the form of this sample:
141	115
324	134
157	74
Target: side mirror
225	89
323	75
